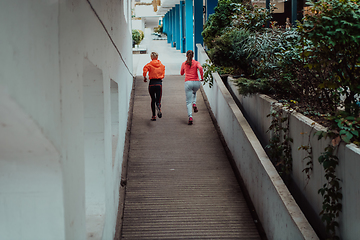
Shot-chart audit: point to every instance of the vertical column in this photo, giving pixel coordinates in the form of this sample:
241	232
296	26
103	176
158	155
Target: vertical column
182	27
198	24
210	7
169	33
173	26
177	26
293	12
189	27
164	22
168	24
267	5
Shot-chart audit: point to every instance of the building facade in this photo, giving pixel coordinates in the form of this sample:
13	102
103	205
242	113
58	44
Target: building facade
65	83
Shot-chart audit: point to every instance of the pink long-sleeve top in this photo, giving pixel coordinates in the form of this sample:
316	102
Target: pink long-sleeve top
191	71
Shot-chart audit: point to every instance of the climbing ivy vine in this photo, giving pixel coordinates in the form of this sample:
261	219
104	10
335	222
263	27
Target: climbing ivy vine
279	148
331	190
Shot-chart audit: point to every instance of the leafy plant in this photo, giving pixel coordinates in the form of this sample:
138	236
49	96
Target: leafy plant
159	29
227	32
210	68
251	18
331	191
137	36
308	149
334	28
218	21
229	51
280	143
347	127
251	86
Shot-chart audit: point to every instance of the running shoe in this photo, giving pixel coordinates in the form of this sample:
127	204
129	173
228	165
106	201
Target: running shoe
153	118
190	121
195	108
159	113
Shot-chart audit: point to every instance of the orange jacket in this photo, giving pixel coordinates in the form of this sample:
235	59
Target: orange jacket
155	68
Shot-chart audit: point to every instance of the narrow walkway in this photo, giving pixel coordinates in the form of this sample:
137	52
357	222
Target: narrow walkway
180	184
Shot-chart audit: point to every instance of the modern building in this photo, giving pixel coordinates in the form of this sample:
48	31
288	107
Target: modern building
65	83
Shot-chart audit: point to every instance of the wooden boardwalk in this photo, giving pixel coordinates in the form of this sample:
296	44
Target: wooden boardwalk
180	184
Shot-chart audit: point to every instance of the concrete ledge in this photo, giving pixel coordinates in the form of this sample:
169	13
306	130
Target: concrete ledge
302	129
139	49
278	212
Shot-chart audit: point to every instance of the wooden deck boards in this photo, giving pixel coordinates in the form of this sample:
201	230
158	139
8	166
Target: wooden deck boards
180	184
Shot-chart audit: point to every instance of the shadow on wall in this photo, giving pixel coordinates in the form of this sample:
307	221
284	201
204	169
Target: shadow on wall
94	148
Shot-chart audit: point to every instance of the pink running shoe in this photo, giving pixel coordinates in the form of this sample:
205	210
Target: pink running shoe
190	121
195	108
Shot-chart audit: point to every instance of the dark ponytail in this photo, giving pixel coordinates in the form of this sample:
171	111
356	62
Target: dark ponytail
189	55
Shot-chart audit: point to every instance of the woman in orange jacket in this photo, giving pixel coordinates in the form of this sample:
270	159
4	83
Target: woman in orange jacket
156	73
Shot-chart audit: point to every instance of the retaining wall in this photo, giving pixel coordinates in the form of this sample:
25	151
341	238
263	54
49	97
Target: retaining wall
302	129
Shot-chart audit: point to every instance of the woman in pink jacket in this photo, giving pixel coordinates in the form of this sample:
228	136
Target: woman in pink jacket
192	83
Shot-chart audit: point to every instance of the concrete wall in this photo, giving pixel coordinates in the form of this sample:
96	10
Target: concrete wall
65	92
138	24
280	216
301	131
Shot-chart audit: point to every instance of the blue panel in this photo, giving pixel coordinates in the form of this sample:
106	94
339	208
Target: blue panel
189	27
177	26
169	39
182	26
210	6
173	27
198	25
165	23
293	12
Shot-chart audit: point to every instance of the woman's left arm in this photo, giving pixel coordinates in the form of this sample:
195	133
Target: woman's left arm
201	70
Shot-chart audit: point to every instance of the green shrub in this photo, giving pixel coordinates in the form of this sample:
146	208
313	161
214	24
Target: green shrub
137	36
228	51
334	29
251	86
142	35
159	29
219	20
227	32
251	18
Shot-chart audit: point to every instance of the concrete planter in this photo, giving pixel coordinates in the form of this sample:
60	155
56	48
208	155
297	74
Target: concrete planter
302	128
277	210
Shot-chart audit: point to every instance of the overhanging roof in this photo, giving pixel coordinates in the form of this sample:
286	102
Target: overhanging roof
166	5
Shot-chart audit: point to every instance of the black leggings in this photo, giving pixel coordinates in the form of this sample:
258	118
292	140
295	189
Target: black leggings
155	90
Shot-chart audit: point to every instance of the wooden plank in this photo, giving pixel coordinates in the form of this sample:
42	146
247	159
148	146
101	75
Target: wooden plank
180	183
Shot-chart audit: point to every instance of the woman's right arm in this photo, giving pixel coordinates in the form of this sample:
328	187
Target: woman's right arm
182	71
145	70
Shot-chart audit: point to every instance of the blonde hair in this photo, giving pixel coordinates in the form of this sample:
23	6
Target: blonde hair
154	55
189	55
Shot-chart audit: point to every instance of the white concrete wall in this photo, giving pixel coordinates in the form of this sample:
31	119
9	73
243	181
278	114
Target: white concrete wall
65	94
280	216
138	24
301	127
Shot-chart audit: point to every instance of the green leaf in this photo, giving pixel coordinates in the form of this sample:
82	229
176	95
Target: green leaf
346	138
343	132
355	132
